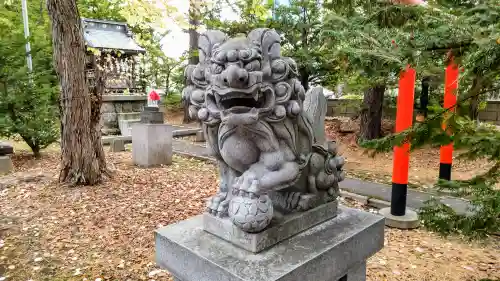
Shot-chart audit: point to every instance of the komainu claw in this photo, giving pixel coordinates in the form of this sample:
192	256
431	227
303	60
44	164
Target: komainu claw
218	205
254	188
331	191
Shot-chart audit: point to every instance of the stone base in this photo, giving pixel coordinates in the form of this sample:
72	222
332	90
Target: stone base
200	136
117	145
5	164
280	228
6	149
151	144
408	221
152	115
126	126
331	251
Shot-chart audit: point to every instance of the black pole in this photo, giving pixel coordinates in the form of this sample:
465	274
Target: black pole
398	199
445	171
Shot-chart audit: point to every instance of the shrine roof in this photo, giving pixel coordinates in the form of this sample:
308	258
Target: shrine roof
102	34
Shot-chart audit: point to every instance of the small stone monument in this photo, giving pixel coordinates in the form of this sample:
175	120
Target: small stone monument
117	145
151	113
276	214
5	162
151	138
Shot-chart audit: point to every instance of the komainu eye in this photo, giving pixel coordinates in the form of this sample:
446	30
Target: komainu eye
253	65
245	54
278	66
199	73
217	68
220	56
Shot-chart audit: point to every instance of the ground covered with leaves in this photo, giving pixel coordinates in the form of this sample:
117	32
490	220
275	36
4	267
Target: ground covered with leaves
105	232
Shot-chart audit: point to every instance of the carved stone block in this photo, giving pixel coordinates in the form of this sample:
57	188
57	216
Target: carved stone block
5	164
281	227
334	250
6	149
151	115
117	145
151	144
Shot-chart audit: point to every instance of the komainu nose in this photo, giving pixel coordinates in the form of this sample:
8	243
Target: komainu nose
235	77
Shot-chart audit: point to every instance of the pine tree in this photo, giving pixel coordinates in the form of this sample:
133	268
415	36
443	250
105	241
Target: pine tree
475	45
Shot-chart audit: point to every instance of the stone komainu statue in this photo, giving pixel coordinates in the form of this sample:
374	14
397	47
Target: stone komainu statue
265	131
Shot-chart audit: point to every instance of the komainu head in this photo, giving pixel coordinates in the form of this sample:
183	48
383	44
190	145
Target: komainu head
242	80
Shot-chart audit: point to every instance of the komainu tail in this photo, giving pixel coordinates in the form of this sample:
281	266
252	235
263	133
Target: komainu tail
315	107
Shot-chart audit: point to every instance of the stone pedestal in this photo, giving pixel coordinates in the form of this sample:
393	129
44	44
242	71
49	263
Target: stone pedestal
5	164
151	115
5	161
281	227
151	144
200	136
117	145
6	149
334	250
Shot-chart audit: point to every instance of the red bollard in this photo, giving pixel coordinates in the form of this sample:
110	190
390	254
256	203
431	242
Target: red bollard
450	101
404	120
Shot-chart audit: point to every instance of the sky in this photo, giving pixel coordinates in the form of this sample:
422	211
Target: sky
177	42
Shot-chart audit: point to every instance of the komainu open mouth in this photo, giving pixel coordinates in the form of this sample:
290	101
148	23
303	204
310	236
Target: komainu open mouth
241	100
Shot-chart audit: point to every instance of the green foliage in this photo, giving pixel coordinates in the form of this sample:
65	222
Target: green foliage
28	102
373	41
478	141
173	101
300	24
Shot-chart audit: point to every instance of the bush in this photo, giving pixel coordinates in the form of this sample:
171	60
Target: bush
172	101
30	111
28	102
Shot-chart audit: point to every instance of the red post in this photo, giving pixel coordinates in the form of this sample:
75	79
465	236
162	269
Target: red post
404	120
450	101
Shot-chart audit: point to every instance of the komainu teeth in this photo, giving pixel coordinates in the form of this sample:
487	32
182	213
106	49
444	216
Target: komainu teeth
256	96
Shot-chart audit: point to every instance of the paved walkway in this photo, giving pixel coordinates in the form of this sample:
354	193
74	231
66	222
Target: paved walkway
415	198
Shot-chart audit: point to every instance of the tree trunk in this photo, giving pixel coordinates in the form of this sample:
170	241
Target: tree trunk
304	73
475	98
371	113
193	32
35	147
304	79
193	47
82	154
424	95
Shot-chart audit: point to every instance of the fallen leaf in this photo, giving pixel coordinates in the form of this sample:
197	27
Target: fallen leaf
77	272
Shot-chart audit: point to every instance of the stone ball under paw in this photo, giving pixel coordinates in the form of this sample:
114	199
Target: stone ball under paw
251	214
